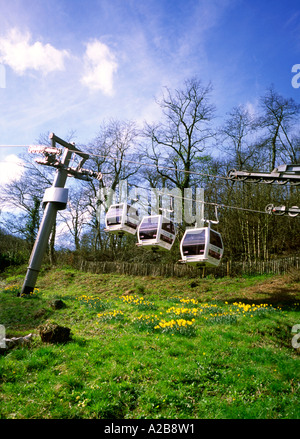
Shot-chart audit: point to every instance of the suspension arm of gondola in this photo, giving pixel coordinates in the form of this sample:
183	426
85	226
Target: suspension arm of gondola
282	210
282	174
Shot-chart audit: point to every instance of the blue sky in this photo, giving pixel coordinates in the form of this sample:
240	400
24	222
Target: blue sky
71	64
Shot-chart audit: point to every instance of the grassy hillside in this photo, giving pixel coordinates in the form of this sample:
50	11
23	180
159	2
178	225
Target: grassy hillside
149	347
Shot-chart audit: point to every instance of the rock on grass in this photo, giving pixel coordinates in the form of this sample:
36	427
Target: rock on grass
53	333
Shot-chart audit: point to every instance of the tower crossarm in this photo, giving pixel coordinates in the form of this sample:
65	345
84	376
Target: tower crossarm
283	174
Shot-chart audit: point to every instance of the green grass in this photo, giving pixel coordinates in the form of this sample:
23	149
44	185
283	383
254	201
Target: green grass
152	348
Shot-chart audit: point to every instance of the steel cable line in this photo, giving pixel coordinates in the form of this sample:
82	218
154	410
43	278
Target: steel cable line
168	168
220	205
161	167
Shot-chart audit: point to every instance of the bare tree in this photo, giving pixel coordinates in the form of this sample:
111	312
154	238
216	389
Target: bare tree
21	200
279	117
76	216
239	134
114	153
181	137
179	143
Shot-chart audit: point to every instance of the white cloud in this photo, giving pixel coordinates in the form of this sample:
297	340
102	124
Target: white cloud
11	168
17	51
99	67
252	108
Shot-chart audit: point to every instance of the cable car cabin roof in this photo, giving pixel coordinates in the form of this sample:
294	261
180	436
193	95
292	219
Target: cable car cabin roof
156	231
202	246
121	218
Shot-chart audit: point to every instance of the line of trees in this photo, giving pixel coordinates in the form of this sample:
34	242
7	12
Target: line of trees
186	139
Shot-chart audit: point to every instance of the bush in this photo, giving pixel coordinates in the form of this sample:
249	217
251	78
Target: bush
6	260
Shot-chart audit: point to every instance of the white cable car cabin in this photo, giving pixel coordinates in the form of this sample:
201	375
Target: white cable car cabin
121	218
201	246
156	232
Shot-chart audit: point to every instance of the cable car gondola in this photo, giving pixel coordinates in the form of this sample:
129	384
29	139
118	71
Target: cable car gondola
201	246
121	218
156	232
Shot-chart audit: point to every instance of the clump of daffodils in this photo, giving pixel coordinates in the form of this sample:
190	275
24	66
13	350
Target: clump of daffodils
146	322
153	323
137	301
238	309
12	289
16	289
177	326
183	312
33	293
189	302
114	315
246	309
